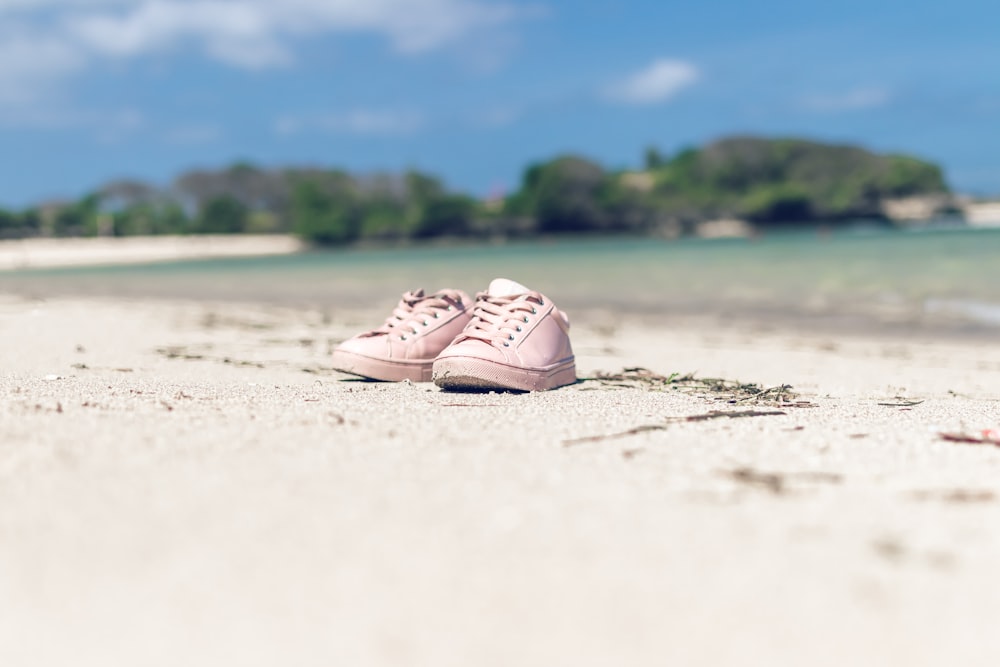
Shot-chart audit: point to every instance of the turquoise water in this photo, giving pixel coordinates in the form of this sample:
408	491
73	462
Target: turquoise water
933	279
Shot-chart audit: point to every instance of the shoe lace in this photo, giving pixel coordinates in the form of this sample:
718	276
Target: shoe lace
417	309
497	319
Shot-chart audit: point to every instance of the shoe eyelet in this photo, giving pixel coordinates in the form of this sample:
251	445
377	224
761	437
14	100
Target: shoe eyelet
426	323
506	344
403	337
533	311
526	320
437	315
519	328
541	302
451	307
510	336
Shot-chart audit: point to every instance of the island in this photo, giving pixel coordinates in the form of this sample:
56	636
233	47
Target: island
733	186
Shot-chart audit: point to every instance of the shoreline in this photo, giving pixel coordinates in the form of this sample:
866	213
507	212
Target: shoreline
296	276
832	326
44	253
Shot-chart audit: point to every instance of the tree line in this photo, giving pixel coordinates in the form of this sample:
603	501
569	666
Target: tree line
764	181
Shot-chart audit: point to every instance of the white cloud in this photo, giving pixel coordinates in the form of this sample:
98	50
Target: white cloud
239	34
853	100
370	122
30	65
658	82
44	41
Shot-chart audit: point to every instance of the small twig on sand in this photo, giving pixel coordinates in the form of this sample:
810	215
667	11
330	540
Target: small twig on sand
987	437
714	414
614	436
901	403
732	414
777	483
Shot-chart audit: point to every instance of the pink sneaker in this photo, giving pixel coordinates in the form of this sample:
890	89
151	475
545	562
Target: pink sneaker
405	346
517	339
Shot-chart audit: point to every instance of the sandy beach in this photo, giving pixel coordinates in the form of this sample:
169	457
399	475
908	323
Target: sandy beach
41	253
189	483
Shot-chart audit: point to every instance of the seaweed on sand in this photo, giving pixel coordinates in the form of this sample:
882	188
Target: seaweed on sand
719	389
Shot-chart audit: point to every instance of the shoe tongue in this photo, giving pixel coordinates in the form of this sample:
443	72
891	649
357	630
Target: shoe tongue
504	287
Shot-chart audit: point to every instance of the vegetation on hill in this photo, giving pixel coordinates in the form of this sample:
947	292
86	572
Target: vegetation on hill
764	181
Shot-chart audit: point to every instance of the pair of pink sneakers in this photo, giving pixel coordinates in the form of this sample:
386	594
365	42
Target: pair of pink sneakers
509	338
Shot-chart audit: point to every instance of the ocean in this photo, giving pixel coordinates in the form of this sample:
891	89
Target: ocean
928	280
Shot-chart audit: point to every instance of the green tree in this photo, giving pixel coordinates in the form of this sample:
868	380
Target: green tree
77	218
564	195
163	217
322	216
383	218
777	203
10	225
421	188
446	215
222	215
906	176
653	158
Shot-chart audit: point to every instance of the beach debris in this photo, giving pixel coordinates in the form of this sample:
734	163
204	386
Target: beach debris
178	352
770	481
729	414
637	374
52	377
901	402
729	391
989	436
242	362
777	482
889	548
645	428
614	436
958	496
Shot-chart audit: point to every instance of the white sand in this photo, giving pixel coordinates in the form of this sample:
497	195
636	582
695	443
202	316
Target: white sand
47	253
227	500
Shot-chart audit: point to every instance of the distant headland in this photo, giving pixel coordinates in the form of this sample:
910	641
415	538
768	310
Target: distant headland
733	186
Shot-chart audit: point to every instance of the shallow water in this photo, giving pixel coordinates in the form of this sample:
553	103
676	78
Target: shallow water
934	280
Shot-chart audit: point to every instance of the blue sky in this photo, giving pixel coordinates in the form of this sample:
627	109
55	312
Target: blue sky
474	90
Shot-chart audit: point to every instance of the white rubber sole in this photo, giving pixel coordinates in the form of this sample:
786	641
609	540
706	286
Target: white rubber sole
382	369
471	374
